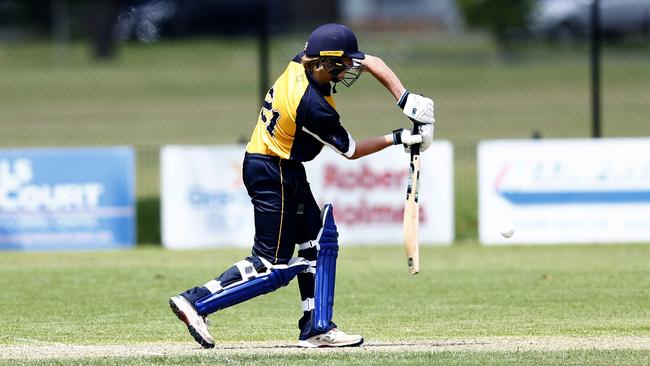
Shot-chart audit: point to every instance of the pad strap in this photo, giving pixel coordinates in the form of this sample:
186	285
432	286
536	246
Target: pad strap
308	304
307	245
213	286
246	269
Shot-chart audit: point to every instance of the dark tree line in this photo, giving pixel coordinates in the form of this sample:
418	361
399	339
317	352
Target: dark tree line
501	17
65	19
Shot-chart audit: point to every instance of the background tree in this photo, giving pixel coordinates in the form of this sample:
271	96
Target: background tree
102	15
502	18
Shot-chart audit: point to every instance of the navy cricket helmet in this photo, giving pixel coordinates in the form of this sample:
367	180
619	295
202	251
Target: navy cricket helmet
333	40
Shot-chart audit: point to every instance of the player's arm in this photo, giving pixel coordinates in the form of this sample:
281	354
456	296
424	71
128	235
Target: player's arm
370	146
415	106
378	68
321	121
374	144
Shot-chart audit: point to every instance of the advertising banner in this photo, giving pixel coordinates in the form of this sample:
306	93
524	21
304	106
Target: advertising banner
203	199
205	204
369	194
565	191
63	199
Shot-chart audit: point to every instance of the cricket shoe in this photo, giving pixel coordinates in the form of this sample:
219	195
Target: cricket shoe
196	324
333	338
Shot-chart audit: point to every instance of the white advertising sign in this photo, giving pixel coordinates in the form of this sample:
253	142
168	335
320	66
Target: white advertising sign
203	199
205	204
565	191
369	194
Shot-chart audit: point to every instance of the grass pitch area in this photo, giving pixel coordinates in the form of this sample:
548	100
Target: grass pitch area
470	305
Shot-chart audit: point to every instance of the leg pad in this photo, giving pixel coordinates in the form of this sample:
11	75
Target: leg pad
325	271
246	289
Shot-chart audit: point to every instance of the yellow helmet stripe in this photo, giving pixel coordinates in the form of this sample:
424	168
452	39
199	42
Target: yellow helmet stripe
331	53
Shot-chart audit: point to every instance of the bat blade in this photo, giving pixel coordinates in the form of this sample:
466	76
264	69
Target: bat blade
412	214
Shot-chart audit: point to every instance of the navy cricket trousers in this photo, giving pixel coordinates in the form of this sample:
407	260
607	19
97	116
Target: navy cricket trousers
286	212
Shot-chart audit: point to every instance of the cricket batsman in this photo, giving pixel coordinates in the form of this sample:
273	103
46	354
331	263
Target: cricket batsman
298	117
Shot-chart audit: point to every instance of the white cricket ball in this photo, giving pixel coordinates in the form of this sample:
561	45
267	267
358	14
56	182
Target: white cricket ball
507	229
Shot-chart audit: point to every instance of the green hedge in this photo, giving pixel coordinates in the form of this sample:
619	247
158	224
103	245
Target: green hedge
148	216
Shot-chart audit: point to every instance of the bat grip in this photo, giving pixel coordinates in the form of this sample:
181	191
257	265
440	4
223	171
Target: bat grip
415	148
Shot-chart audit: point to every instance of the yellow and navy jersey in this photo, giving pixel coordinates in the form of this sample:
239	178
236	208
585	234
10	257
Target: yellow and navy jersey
297	118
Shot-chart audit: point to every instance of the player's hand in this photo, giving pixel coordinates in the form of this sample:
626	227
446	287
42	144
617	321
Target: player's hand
404	136
417	107
426	131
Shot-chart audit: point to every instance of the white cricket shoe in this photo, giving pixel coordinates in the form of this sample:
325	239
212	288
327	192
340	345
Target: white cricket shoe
333	338
196	324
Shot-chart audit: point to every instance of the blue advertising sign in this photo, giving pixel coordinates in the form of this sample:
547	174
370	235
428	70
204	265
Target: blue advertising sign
67	198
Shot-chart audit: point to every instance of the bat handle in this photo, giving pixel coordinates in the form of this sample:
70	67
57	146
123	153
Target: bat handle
415	149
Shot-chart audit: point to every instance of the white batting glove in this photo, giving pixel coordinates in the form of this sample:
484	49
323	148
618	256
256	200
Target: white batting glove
404	136
427	136
417	107
426	131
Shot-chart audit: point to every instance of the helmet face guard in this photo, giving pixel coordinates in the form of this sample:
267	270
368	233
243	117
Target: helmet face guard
334	66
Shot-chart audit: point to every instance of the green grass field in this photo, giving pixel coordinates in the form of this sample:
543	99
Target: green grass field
207	91
465	299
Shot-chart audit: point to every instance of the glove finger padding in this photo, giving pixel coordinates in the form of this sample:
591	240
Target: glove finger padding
427	136
409	139
404	136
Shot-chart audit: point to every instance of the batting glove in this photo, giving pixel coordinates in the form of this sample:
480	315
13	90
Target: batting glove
417	107
427	136
426	131
404	136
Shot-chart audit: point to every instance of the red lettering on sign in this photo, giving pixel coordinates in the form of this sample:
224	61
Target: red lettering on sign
364	178
364	213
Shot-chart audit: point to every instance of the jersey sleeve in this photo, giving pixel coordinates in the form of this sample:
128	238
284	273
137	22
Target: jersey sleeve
321	121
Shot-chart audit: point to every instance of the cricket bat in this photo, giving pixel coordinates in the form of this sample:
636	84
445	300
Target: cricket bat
412	209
